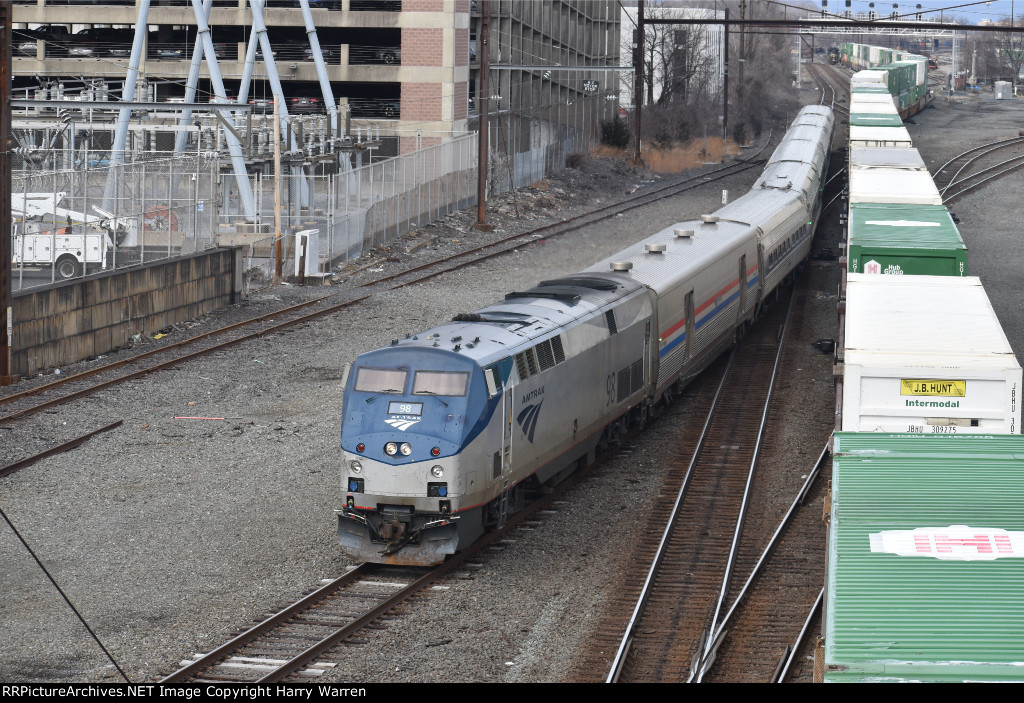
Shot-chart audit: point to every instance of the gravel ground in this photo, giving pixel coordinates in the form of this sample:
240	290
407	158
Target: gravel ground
169	534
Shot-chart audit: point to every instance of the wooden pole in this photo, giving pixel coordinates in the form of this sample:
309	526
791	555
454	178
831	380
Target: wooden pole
483	101
6	310
638	80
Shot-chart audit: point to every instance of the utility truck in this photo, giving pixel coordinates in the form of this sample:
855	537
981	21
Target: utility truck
43	234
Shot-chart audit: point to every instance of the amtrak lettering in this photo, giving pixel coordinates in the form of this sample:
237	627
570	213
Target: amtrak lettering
536	393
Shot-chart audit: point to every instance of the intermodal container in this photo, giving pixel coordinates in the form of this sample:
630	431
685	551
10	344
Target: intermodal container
926	355
886	157
875	119
891	185
925	559
917	240
880	136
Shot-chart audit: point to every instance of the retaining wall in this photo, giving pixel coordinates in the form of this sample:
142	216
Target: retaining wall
75	320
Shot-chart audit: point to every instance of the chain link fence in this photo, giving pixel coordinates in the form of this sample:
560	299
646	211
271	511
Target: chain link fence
96	216
81	214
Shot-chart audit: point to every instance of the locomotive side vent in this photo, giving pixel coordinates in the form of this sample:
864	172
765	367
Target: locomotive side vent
545	355
623	385
684	233
556	345
609	317
496	465
524	372
636	372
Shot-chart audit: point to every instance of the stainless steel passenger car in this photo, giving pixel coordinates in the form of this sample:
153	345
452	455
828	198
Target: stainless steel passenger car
448	432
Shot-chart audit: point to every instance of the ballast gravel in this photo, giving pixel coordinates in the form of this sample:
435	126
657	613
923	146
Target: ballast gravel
170	534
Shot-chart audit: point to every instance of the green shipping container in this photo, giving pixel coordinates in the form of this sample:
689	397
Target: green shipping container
917	240
872	119
925	574
869	88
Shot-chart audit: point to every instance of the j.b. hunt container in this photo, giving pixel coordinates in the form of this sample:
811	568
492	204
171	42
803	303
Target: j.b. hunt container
917	240
926	354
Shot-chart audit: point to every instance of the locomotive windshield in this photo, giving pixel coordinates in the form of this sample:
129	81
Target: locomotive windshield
381	380
440	382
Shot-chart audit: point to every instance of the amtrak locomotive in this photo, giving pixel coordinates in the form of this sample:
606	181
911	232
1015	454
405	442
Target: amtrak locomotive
447	432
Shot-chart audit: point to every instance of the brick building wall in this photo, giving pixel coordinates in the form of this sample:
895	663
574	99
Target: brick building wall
423	46
422	101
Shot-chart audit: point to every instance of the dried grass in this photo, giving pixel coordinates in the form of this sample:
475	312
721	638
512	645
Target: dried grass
675	160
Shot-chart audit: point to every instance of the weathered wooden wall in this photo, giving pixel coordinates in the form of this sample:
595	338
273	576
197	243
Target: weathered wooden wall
78	319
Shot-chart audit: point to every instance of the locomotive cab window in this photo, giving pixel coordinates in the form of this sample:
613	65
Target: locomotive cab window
381	380
440	382
493	381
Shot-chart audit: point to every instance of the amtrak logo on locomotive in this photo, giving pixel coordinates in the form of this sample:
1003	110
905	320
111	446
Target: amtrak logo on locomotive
527	419
401	423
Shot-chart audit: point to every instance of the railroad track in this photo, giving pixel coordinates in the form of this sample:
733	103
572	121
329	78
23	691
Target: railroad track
834	89
962	181
302	640
33	400
677	612
671	606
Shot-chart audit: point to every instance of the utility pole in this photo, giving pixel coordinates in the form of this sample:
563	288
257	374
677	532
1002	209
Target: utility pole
6	310
483	99
743	52
725	87
638	79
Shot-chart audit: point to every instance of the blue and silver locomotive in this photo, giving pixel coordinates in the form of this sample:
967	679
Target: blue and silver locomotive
447	432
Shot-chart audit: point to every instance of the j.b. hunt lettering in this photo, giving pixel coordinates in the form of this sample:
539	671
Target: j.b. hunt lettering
915	386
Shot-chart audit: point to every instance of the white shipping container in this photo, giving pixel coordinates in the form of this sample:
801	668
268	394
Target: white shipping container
872	107
926	354
886	157
893	185
880	136
873	98
875	54
870	77
922	69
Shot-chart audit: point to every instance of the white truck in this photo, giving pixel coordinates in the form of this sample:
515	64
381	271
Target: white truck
44	234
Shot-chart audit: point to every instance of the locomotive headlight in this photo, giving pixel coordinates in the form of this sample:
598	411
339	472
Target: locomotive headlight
405	448
437	471
391	449
357	468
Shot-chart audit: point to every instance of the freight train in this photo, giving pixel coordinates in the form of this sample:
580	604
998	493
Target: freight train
447	432
924	511
902	75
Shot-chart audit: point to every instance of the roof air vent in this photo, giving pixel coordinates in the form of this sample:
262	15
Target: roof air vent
709	219
622	265
656	248
684	233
